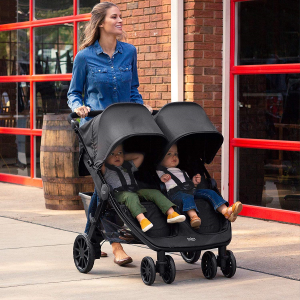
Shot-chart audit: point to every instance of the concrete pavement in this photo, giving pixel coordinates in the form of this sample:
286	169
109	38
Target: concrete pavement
36	259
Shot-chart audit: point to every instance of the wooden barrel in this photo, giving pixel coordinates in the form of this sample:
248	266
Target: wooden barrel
59	165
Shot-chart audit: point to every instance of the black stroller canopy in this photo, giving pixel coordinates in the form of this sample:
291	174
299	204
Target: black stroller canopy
187	124
128	123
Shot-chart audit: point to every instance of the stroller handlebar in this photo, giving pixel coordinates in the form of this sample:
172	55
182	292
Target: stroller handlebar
91	114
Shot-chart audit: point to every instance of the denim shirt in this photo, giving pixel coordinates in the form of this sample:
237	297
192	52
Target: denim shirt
104	80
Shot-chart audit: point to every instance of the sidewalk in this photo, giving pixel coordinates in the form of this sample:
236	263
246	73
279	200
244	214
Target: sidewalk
36	259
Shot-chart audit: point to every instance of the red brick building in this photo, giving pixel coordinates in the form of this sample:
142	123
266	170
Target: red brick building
238	59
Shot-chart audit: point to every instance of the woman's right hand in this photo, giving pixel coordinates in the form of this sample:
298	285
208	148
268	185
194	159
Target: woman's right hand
149	108
82	111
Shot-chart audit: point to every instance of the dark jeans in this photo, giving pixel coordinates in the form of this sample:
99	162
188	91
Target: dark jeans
109	222
188	200
92	210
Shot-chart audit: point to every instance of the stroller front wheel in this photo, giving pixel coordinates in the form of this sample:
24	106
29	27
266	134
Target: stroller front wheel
209	265
148	271
230	267
170	270
83	254
191	257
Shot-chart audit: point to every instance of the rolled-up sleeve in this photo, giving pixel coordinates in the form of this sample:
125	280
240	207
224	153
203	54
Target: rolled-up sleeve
77	82
135	96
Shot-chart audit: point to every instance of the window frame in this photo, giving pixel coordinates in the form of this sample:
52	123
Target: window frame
32	78
235	143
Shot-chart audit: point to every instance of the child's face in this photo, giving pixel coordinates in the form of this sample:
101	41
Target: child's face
116	157
171	159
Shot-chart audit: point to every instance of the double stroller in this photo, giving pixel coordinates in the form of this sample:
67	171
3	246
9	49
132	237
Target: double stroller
198	141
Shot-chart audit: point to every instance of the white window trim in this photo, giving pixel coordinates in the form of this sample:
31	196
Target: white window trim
177	50
225	99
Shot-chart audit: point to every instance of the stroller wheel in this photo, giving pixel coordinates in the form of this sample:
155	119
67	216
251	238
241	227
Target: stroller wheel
209	265
148	272
170	270
83	254
230	267
191	257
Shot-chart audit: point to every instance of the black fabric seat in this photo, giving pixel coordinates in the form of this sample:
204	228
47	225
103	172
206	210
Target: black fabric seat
160	226
211	221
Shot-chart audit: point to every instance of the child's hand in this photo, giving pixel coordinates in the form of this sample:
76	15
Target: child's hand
165	178
196	179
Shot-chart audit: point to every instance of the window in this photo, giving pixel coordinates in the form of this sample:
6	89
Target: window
36	60
265	106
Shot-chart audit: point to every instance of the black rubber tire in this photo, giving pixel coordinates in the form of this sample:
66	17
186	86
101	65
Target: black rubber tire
209	265
170	270
83	253
191	257
148	272
230	267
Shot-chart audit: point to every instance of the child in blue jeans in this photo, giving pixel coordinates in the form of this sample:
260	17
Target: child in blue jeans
181	188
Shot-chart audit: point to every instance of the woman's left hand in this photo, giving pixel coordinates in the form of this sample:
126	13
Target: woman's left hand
149	108
82	111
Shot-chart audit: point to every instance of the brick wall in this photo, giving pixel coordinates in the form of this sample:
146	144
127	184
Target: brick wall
148	26
203	62
203	56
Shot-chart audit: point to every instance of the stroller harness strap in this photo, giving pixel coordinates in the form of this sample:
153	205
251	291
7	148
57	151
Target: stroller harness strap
132	187
187	186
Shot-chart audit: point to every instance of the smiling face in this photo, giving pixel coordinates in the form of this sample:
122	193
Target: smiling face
171	159
112	23
116	157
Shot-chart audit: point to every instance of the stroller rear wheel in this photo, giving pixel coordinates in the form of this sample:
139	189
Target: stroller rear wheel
191	257
209	265
148	271
230	267
83	254
170	270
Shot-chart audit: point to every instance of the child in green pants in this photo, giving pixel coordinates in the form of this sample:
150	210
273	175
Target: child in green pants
118	172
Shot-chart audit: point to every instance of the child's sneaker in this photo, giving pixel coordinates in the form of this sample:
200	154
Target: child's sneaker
146	224
175	218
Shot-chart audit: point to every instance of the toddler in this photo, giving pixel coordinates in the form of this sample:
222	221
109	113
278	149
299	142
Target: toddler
181	188
118	172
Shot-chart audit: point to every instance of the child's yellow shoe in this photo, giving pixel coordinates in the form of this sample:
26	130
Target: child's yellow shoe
175	218
236	209
146	224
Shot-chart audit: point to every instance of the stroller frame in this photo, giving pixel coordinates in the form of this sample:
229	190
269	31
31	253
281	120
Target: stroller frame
87	247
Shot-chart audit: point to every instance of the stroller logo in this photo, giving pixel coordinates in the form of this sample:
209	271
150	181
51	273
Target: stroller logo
190	239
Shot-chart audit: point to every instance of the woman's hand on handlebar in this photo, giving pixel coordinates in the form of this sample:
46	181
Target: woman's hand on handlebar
82	111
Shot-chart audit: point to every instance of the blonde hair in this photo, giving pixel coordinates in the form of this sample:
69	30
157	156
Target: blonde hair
92	30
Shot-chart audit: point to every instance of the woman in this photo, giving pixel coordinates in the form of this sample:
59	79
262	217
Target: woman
105	71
